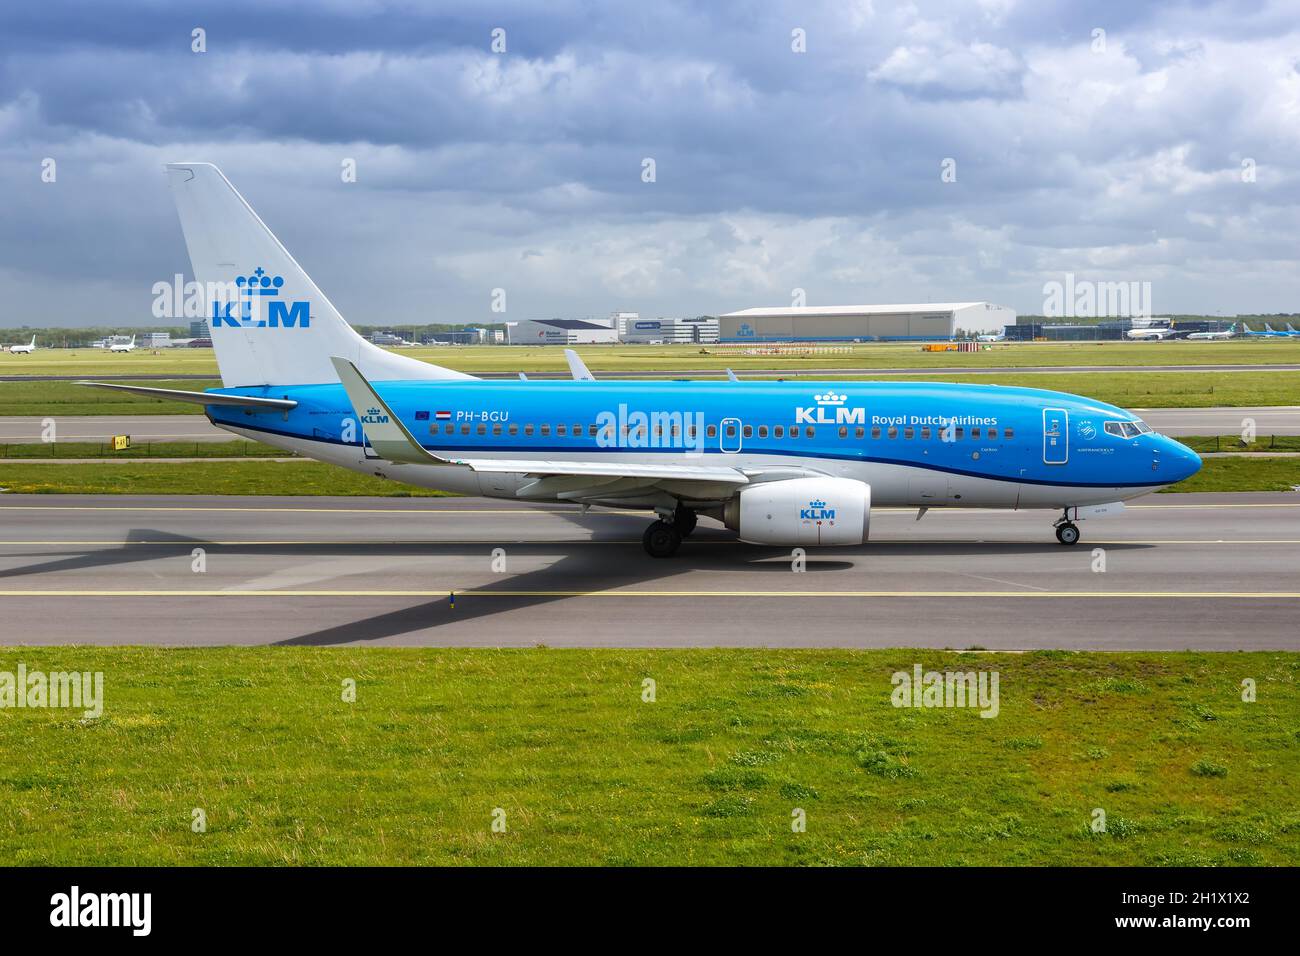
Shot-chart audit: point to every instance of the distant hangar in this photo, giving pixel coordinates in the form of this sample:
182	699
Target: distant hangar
884	323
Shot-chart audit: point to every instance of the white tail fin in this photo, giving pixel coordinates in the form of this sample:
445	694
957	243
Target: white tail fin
270	324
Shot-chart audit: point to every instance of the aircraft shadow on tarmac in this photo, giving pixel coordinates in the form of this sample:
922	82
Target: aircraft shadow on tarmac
609	559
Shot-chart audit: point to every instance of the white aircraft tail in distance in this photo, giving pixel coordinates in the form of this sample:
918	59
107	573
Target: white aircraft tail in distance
27	349
123	346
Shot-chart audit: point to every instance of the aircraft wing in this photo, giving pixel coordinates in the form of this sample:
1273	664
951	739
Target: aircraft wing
391	440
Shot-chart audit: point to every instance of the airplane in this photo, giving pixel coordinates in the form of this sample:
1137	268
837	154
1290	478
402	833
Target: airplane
1268	333
1292	331
123	346
1213	336
791	464
24	349
1000	337
1151	335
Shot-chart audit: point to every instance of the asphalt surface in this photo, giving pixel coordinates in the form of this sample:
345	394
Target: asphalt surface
1181	571
1283	420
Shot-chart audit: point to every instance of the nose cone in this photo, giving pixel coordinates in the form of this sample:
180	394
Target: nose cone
1177	461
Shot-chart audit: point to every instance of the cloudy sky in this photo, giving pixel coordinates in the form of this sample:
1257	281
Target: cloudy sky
1164	150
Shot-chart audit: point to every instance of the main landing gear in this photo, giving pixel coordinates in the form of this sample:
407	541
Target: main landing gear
1067	532
663	538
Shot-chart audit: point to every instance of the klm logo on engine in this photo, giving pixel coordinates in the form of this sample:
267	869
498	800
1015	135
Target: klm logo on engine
259	306
374	416
817	511
830	410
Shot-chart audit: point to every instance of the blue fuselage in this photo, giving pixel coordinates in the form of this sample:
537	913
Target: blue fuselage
916	443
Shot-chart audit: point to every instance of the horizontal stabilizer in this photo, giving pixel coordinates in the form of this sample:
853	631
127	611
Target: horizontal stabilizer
197	398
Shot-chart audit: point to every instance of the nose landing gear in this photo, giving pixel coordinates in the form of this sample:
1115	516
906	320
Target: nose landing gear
1067	532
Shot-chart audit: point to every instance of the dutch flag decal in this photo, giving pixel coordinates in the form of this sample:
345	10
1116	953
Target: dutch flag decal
442	416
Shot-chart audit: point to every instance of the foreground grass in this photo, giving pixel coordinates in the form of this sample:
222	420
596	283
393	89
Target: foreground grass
55	399
286	772
255	477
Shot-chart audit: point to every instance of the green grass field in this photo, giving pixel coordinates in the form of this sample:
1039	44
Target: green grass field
1126	389
711	772
713	358
236	447
255	477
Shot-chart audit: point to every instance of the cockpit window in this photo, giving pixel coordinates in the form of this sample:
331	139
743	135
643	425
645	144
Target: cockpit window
1126	429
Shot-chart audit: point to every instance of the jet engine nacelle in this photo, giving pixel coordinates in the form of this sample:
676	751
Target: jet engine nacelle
801	511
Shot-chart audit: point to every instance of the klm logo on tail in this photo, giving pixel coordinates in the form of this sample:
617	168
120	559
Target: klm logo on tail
259	305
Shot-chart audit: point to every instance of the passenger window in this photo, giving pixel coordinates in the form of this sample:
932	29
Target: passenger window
544	430
893	432
875	431
591	430
778	431
690	431
908	432
925	433
794	431
450	429
514	429
844	432
711	431
748	431
675	431
859	432
528	429
640	433
482	429
1008	434
974	433
464	429
762	431
958	433
496	429
993	433
577	431
731	431
433	429
561	430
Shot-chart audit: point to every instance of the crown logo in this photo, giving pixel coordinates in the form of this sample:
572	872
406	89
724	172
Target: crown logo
818	503
259	283
830	398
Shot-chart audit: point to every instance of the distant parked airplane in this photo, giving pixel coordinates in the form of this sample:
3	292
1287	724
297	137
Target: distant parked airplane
1291	331
123	346
1268	333
1150	335
1214	336
24	349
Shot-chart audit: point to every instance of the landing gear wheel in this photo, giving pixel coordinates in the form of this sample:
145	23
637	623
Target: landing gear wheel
684	521
1067	533
661	540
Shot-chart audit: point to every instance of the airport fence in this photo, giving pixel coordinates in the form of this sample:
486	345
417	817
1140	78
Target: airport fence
1217	443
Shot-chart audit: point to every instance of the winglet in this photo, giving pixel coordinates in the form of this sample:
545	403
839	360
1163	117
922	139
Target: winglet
383	429
577	368
731	376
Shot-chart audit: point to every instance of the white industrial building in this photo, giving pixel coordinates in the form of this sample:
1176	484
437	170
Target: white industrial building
669	331
560	332
845	323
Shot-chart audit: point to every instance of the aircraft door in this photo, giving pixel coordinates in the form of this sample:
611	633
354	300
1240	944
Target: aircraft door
1056	436
729	435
